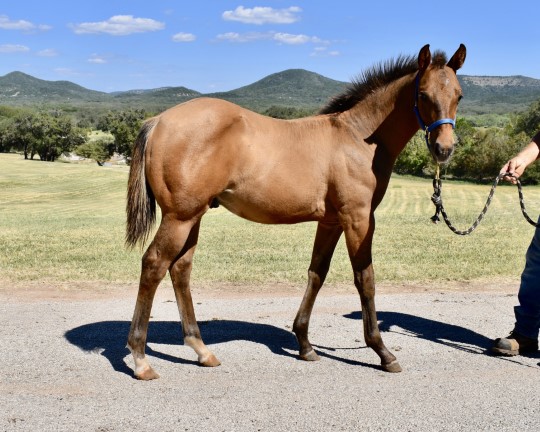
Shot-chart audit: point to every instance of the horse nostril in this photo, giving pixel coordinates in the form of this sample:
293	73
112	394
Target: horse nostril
442	152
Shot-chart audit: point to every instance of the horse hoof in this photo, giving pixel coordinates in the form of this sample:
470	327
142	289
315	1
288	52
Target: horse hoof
310	356
393	367
146	374
209	361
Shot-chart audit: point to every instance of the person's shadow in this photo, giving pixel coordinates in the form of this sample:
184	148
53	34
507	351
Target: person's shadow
109	337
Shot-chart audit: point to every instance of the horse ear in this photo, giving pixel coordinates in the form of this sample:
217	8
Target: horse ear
424	58
458	58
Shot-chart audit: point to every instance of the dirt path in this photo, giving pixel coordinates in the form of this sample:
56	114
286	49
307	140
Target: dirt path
65	366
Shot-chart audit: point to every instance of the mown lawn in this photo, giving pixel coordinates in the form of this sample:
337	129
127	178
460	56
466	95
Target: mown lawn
65	222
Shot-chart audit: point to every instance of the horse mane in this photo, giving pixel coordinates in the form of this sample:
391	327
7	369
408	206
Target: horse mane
376	77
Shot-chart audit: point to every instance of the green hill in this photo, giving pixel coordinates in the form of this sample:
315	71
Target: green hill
297	88
18	88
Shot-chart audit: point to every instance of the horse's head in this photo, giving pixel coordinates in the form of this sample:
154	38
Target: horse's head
437	96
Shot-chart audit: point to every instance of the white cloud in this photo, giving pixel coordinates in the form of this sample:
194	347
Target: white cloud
119	25
7	24
11	48
245	37
47	53
97	59
263	15
183	37
322	51
22	25
282	38
231	37
292	39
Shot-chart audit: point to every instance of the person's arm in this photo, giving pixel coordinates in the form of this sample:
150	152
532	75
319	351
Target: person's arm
523	159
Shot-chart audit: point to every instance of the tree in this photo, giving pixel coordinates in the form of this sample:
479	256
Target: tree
97	147
23	133
465	148
57	136
415	157
124	126
529	121
5	138
41	133
282	112
481	153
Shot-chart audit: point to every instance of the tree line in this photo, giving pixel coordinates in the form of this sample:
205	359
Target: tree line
479	155
49	134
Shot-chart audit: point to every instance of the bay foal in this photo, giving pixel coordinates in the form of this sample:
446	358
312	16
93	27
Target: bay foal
332	168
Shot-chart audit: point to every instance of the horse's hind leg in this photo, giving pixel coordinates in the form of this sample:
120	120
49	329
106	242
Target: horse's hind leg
180	273
170	238
325	243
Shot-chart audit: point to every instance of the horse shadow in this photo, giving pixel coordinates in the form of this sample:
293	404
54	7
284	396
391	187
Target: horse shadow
108	338
450	335
438	332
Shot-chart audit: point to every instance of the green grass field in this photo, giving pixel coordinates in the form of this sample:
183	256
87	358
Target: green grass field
65	222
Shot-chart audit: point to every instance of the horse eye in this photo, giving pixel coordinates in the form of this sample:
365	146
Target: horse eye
459	98
423	96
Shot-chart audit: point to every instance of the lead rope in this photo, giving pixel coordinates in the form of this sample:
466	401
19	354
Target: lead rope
436	198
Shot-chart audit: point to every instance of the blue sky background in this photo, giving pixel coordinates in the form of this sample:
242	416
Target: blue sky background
219	45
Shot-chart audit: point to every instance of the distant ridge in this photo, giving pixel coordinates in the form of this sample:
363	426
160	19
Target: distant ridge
498	94
165	96
296	88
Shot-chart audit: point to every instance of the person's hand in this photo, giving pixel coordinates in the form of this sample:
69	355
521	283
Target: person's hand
515	166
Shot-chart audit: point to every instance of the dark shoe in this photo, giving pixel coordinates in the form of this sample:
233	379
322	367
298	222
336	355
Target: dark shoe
514	344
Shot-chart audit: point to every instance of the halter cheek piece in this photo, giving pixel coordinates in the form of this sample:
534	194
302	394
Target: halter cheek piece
428	128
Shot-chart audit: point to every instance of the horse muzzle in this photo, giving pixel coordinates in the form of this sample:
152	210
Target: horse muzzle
441	143
441	153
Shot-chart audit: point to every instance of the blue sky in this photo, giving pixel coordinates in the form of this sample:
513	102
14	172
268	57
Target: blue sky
220	45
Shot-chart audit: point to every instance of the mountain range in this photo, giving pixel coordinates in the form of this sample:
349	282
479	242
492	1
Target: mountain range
296	88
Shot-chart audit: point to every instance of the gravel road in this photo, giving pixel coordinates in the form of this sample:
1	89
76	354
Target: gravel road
65	366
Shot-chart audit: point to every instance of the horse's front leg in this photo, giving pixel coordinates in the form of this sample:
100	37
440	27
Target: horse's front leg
359	237
364	282
325	242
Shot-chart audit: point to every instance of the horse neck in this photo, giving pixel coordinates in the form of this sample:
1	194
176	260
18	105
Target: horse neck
387	116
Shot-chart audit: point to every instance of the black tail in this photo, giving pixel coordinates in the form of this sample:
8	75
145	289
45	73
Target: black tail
141	204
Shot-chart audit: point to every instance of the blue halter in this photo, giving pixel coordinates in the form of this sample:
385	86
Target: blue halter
428	128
